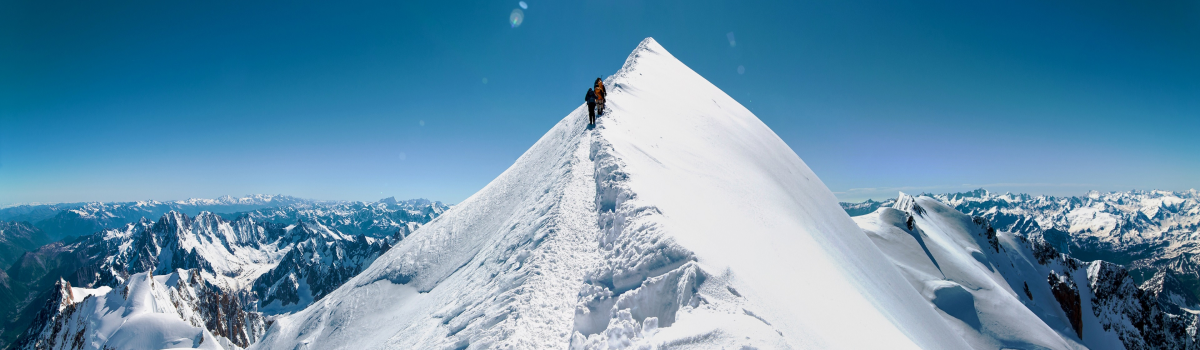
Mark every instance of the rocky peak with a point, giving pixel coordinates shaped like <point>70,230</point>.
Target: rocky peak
<point>904,203</point>
<point>61,304</point>
<point>1170,292</point>
<point>1139,321</point>
<point>204,313</point>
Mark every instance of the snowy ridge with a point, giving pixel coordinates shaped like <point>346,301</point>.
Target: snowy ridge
<point>1003,290</point>
<point>1147,231</point>
<point>600,239</point>
<point>950,260</point>
<point>176,310</point>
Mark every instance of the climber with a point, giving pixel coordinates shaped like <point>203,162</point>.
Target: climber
<point>600,94</point>
<point>591,103</point>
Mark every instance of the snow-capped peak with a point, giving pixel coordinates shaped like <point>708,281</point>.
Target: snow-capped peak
<point>904,202</point>
<point>680,218</point>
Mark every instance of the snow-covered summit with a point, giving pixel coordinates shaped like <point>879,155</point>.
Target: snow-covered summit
<point>177,310</point>
<point>613,237</point>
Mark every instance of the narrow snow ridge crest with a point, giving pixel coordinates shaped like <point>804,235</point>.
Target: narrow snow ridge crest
<point>904,202</point>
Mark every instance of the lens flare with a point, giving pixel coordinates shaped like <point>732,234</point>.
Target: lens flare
<point>516,18</point>
<point>524,6</point>
<point>732,40</point>
<point>741,70</point>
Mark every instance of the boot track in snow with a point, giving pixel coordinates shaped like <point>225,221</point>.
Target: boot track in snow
<point>679,221</point>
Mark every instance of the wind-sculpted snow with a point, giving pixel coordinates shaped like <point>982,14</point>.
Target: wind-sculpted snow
<point>947,257</point>
<point>1147,231</point>
<point>1004,290</point>
<point>611,238</point>
<point>500,268</point>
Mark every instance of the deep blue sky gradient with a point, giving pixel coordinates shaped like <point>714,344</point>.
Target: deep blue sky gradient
<point>129,100</point>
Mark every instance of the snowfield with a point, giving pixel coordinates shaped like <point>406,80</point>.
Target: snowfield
<point>611,238</point>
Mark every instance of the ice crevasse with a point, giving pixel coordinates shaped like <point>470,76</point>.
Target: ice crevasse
<point>679,220</point>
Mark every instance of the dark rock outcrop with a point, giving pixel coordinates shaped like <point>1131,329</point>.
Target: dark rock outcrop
<point>1134,314</point>
<point>64,323</point>
<point>317,266</point>
<point>46,330</point>
<point>1067,295</point>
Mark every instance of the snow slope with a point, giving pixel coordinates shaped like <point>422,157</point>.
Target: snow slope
<point>178,310</point>
<point>980,288</point>
<point>681,220</point>
<point>1146,231</point>
<point>1000,289</point>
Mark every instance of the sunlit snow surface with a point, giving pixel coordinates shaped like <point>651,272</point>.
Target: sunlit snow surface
<point>140,314</point>
<point>681,220</point>
<point>978,288</point>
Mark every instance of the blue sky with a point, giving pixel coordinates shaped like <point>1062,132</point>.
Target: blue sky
<point>116,101</point>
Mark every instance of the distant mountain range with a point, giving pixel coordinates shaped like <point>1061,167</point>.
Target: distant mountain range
<point>678,220</point>
<point>1147,231</point>
<point>270,253</point>
<point>58,221</point>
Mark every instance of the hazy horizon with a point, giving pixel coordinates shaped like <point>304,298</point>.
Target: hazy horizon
<point>894,191</point>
